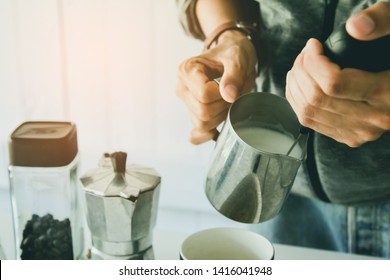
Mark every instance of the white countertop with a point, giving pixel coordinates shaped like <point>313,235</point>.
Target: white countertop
<point>166,244</point>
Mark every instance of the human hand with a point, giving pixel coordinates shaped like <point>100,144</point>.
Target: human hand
<point>348,105</point>
<point>233,59</point>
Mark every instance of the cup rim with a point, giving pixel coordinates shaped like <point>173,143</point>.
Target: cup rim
<point>231,232</point>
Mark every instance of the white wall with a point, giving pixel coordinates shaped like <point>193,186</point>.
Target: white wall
<point>110,67</point>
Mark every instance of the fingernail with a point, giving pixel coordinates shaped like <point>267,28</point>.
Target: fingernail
<point>230,93</point>
<point>363,23</point>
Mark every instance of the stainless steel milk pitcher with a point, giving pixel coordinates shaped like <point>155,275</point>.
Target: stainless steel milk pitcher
<point>250,174</point>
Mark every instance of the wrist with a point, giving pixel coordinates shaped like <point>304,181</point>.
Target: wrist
<point>250,30</point>
<point>231,36</point>
<point>240,39</point>
<point>236,32</point>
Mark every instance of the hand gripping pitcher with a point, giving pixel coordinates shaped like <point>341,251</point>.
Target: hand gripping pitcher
<point>121,208</point>
<point>256,158</point>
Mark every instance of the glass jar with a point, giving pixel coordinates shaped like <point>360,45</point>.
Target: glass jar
<point>44,191</point>
<point>2,255</point>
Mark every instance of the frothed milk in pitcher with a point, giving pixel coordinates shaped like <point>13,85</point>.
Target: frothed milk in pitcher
<point>268,140</point>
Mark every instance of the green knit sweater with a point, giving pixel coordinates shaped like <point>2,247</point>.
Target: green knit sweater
<point>350,176</point>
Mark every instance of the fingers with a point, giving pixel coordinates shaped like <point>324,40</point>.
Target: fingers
<point>205,112</point>
<point>337,118</point>
<point>204,116</point>
<point>238,56</point>
<point>350,106</point>
<point>370,23</point>
<point>205,131</point>
<point>345,83</point>
<point>233,58</point>
<point>232,85</point>
<point>234,76</point>
<point>196,73</point>
<point>196,137</point>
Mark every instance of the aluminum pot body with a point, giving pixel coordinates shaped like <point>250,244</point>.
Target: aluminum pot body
<point>245,183</point>
<point>121,227</point>
<point>122,202</point>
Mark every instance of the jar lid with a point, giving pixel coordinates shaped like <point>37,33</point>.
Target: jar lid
<point>43,144</point>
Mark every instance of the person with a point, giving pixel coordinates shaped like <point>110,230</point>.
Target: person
<point>341,196</point>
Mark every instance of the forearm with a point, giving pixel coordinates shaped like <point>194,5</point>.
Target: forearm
<point>200,17</point>
<point>213,13</point>
<point>228,54</point>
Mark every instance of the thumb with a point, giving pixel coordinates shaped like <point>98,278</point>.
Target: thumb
<point>371,23</point>
<point>229,91</point>
<point>231,84</point>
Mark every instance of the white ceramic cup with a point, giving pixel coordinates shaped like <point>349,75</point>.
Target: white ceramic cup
<point>226,244</point>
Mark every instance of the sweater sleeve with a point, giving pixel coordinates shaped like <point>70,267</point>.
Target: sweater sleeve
<point>188,18</point>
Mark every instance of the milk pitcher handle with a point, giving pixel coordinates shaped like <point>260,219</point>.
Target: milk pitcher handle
<point>216,134</point>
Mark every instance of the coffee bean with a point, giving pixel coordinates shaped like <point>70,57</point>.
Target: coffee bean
<point>47,238</point>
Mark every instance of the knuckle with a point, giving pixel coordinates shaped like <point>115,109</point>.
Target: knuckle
<point>384,121</point>
<point>352,143</point>
<point>203,95</point>
<point>197,136</point>
<point>193,64</point>
<point>305,121</point>
<point>204,114</point>
<point>182,69</point>
<point>308,112</point>
<point>305,115</point>
<point>362,136</point>
<point>195,140</point>
<point>383,6</point>
<point>381,120</point>
<point>315,99</point>
<point>201,125</point>
<point>196,123</point>
<point>367,136</point>
<point>334,85</point>
<point>234,55</point>
<point>234,50</point>
<point>178,90</point>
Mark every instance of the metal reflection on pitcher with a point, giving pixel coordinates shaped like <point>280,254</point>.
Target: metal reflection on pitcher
<point>251,175</point>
